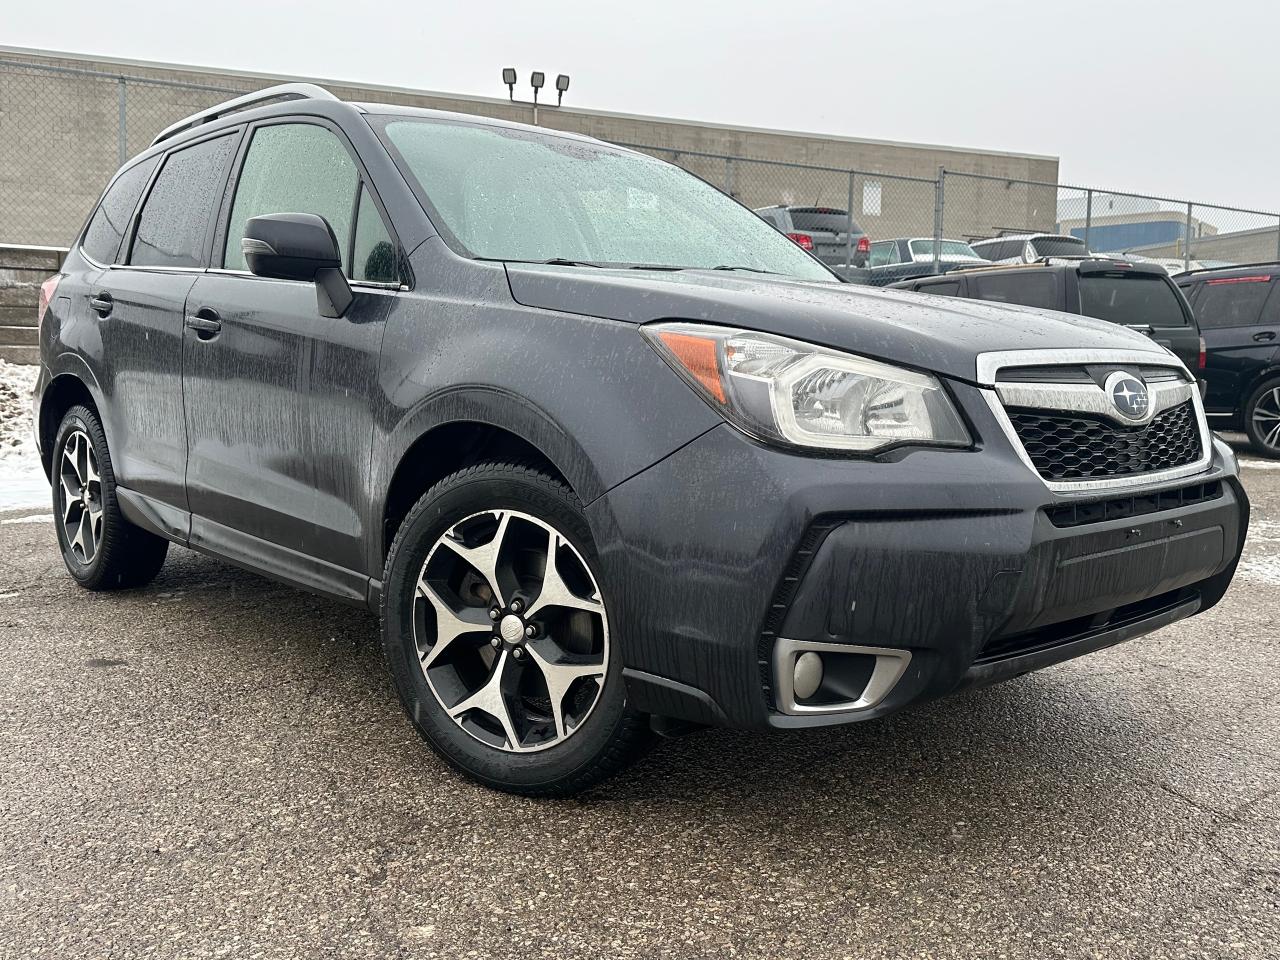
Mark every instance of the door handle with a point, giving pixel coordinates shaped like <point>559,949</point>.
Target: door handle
<point>101,303</point>
<point>206,323</point>
<point>1265,335</point>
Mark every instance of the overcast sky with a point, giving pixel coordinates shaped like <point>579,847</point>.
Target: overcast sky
<point>1175,98</point>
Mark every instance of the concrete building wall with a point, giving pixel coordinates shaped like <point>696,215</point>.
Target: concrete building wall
<point>60,145</point>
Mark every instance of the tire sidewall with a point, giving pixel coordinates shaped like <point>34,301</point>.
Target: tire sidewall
<point>468,492</point>
<point>1250,427</point>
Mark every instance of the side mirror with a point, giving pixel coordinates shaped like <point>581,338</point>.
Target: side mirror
<point>298,246</point>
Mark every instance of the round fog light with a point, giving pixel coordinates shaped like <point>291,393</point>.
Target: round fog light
<point>807,675</point>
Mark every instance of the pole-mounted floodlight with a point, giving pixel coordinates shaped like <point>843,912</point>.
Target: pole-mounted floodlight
<point>537,80</point>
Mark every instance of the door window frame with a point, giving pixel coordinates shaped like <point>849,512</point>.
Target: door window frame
<point>222,221</point>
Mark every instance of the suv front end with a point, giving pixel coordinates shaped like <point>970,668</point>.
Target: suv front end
<point>821,587</point>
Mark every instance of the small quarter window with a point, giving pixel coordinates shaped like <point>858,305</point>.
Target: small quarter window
<point>373,253</point>
<point>111,220</point>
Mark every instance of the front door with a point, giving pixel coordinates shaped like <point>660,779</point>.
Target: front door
<point>279,399</point>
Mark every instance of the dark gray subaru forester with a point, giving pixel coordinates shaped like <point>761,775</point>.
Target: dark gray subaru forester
<point>609,454</point>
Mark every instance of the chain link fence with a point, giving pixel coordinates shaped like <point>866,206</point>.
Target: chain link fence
<point>65,131</point>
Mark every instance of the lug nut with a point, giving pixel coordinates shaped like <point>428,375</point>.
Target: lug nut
<point>495,613</point>
<point>517,652</point>
<point>531,631</point>
<point>517,605</point>
<point>495,642</point>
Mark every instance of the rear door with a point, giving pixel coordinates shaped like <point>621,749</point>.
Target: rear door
<point>279,400</point>
<point>140,301</point>
<point>1145,301</point>
<point>1239,318</point>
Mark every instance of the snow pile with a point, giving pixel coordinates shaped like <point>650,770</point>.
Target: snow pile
<point>22,482</point>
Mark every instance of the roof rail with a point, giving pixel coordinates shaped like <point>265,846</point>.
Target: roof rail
<point>283,91</point>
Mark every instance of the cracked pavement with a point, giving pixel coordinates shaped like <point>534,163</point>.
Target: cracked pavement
<point>216,766</point>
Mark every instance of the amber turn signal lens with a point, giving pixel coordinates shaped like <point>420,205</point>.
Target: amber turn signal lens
<point>698,356</point>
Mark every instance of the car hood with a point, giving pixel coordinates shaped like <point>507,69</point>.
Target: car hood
<point>939,334</point>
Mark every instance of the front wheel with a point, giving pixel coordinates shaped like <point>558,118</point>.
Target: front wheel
<point>1262,419</point>
<point>498,638</point>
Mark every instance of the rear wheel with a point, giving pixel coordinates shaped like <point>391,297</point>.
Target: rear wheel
<point>497,634</point>
<point>1262,418</point>
<point>101,549</point>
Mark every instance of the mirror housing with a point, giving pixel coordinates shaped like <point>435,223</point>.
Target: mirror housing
<point>298,246</point>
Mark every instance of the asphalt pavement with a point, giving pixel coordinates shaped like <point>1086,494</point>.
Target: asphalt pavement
<point>216,766</point>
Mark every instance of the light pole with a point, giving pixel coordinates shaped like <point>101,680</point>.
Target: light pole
<point>537,80</point>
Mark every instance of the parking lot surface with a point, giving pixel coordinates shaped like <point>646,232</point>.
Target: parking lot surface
<point>216,766</point>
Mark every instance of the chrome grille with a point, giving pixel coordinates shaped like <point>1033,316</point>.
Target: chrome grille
<point>1073,418</point>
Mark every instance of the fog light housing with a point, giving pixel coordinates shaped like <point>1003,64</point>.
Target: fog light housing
<point>807,675</point>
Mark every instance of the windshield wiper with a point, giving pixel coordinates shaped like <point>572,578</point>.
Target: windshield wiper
<point>748,270</point>
<point>562,262</point>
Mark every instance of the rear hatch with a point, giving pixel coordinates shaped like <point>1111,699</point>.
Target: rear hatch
<point>1143,299</point>
<point>835,234</point>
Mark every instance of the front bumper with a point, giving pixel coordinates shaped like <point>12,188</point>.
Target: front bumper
<point>726,546</point>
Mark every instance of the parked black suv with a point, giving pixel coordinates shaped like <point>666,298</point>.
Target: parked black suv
<point>1137,295</point>
<point>607,452</point>
<point>1239,313</point>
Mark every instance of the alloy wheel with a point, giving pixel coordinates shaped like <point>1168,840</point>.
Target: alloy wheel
<point>81,506</point>
<point>1266,418</point>
<point>511,630</point>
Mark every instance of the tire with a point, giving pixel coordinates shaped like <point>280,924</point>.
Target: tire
<point>101,549</point>
<point>541,716</point>
<point>1262,418</point>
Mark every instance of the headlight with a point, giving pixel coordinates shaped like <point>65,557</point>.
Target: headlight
<point>790,392</point>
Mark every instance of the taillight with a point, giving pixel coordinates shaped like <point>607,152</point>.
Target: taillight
<point>802,240</point>
<point>864,244</point>
<point>1204,358</point>
<point>46,297</point>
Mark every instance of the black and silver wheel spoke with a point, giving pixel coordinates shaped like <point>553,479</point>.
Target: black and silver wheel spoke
<point>511,631</point>
<point>1266,416</point>
<point>81,490</point>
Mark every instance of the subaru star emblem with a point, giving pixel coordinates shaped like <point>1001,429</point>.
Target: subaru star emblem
<point>1128,395</point>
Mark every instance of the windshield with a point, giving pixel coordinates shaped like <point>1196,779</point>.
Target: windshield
<point>1059,247</point>
<point>521,195</point>
<point>948,248</point>
<point>1135,300</point>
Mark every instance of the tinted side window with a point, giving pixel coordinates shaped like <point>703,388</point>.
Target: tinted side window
<point>294,168</point>
<point>1271,310</point>
<point>1037,289</point>
<point>882,252</point>
<point>947,288</point>
<point>111,220</point>
<point>1231,302</point>
<point>373,252</point>
<point>175,216</point>
<point>1133,299</point>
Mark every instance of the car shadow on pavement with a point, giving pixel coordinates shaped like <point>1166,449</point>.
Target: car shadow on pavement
<point>1019,749</point>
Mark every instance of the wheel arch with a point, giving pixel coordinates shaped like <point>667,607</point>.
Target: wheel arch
<point>1269,372</point>
<point>467,428</point>
<point>73,384</point>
